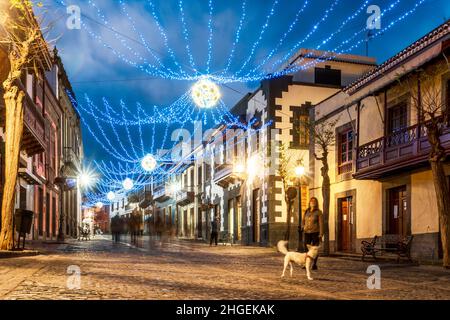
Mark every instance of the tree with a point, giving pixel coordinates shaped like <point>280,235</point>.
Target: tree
<point>285,172</point>
<point>21,38</point>
<point>433,115</point>
<point>323,135</point>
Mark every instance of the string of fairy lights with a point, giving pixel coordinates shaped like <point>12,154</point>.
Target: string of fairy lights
<point>136,136</point>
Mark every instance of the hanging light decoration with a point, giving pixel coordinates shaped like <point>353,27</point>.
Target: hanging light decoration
<point>99,205</point>
<point>205,93</point>
<point>128,184</point>
<point>148,163</point>
<point>111,196</point>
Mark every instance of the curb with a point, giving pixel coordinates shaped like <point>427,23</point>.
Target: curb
<point>18,254</point>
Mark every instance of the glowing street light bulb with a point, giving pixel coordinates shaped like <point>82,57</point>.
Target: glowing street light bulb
<point>148,163</point>
<point>205,93</point>
<point>86,179</point>
<point>239,168</point>
<point>300,171</point>
<point>111,196</point>
<point>128,184</point>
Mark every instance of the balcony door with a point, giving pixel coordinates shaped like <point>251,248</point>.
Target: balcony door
<point>397,118</point>
<point>238,219</point>
<point>231,218</point>
<point>398,214</point>
<point>397,124</point>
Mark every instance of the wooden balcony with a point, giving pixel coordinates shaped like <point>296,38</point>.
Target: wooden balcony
<point>184,198</point>
<point>161,194</point>
<point>72,160</point>
<point>404,150</point>
<point>146,198</point>
<point>224,175</point>
<point>33,137</point>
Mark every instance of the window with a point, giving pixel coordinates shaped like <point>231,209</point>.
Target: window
<point>345,152</point>
<point>199,175</point>
<point>192,183</point>
<point>328,76</point>
<point>300,132</point>
<point>398,118</point>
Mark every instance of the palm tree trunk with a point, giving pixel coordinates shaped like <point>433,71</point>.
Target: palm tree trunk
<point>13,136</point>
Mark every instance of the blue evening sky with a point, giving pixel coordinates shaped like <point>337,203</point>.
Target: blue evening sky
<point>95,70</point>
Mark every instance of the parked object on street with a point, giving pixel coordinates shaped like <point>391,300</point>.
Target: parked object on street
<point>23,219</point>
<point>388,243</point>
<point>84,234</point>
<point>302,259</point>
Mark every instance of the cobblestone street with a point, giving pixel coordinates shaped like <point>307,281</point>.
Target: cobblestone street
<point>186,270</point>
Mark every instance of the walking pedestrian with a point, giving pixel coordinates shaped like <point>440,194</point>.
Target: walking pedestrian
<point>214,231</point>
<point>312,225</point>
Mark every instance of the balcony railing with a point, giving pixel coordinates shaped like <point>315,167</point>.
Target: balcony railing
<point>72,159</point>
<point>224,175</point>
<point>146,198</point>
<point>345,168</point>
<point>398,151</point>
<point>160,194</point>
<point>184,197</point>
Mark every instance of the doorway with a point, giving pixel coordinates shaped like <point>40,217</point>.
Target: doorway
<point>397,219</point>
<point>199,223</point>
<point>41,212</point>
<point>345,217</point>
<point>231,218</point>
<point>256,214</point>
<point>47,215</point>
<point>238,219</point>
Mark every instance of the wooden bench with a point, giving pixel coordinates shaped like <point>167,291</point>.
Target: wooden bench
<point>388,243</point>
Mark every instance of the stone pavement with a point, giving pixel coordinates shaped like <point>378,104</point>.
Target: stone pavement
<point>176,269</point>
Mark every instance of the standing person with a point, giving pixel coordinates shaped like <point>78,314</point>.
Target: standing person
<point>312,223</point>
<point>214,231</point>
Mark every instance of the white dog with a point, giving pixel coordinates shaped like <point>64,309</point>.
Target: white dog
<point>302,259</point>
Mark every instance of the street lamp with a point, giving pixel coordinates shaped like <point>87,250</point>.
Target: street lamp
<point>300,171</point>
<point>84,179</point>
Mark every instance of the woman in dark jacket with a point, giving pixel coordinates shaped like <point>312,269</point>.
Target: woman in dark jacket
<point>312,226</point>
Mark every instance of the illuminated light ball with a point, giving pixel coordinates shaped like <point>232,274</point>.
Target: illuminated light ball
<point>148,163</point>
<point>111,196</point>
<point>128,184</point>
<point>205,93</point>
<point>99,205</point>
